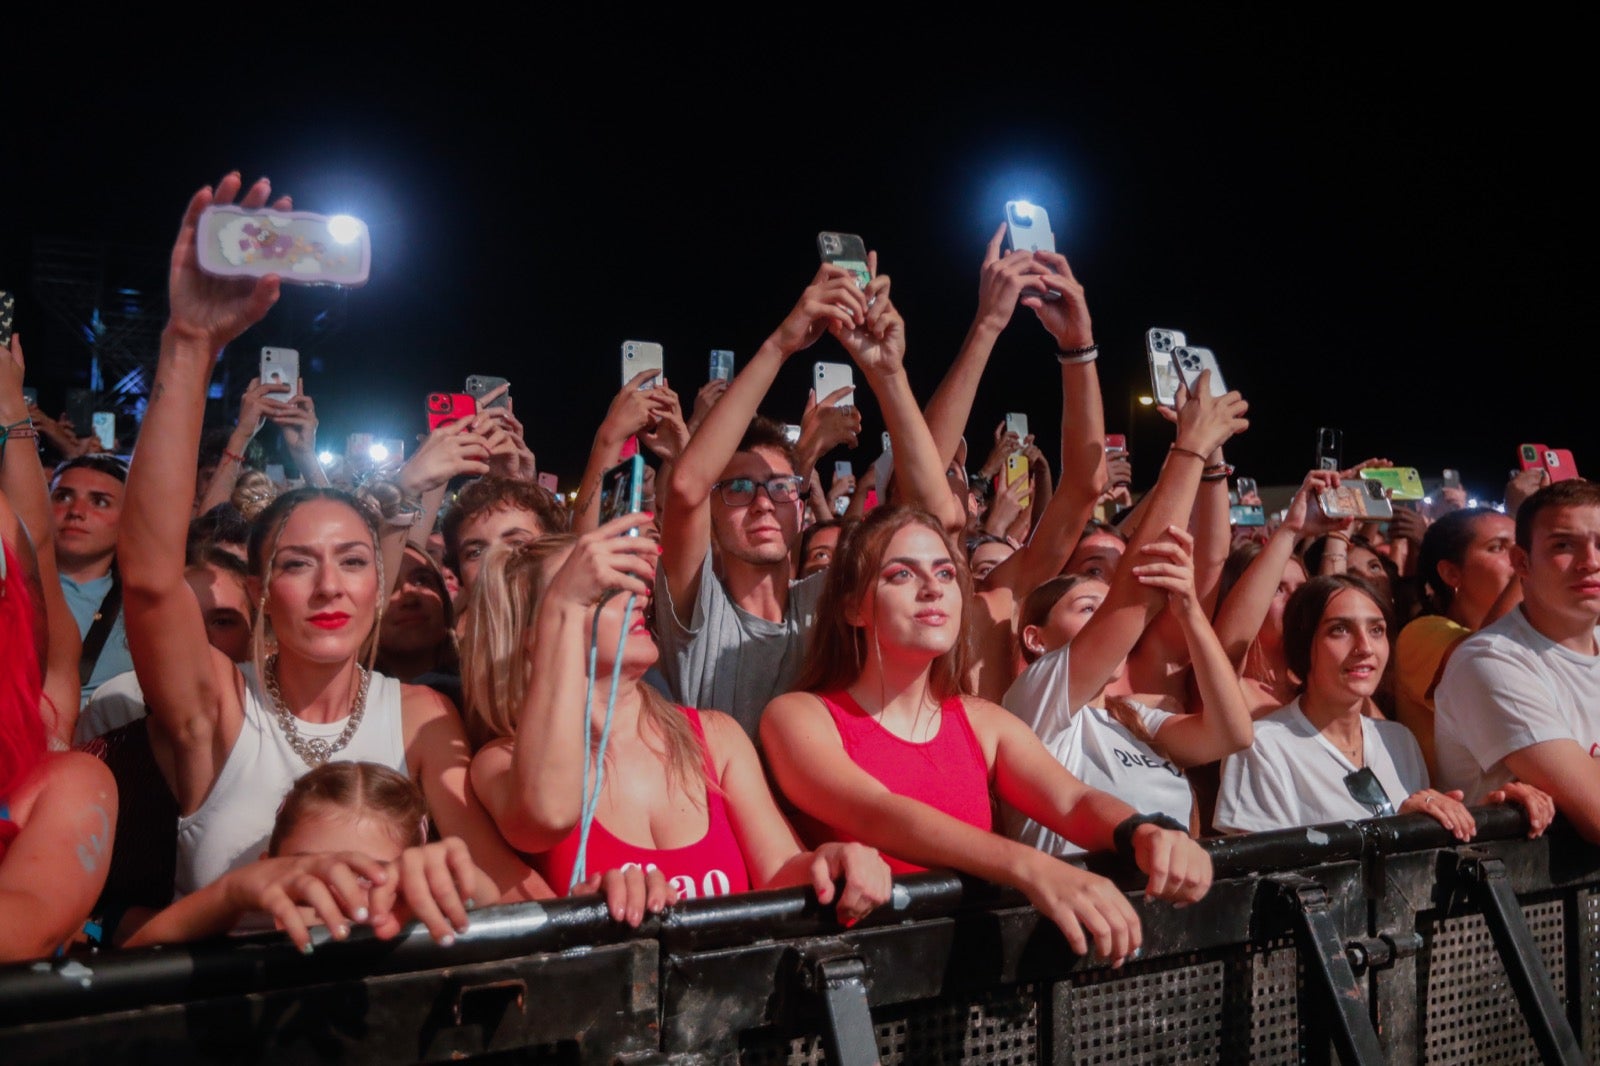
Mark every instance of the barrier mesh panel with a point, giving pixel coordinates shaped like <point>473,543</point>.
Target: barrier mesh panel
<point>999,1029</point>
<point>1470,1011</point>
<point>1589,967</point>
<point>1169,1015</point>
<point>1275,978</point>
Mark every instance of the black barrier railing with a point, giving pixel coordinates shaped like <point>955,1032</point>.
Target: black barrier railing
<point>1380,941</point>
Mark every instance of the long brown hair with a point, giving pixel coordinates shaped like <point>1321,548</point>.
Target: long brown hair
<point>838,648</point>
<point>496,671</point>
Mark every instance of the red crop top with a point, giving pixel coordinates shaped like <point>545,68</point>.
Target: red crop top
<point>948,772</point>
<point>711,866</point>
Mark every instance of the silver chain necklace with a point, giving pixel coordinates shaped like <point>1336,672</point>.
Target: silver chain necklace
<point>315,751</point>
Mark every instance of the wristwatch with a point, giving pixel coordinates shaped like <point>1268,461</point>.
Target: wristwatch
<point>1122,836</point>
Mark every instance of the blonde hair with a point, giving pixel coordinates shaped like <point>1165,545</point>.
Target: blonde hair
<point>496,671</point>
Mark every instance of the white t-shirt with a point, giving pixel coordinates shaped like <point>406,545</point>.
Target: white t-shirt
<point>1293,775</point>
<point>1508,687</point>
<point>114,704</point>
<point>1095,748</point>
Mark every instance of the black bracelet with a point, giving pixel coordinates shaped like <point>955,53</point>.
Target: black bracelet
<point>1072,356</point>
<point>1122,836</point>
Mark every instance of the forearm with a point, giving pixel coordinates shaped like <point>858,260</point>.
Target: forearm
<point>1241,615</point>
<point>220,488</point>
<point>917,467</point>
<point>1223,725</point>
<point>205,913</point>
<point>709,450</point>
<point>547,772</point>
<point>951,406</point>
<point>151,544</point>
<point>1213,536</point>
<point>606,453</point>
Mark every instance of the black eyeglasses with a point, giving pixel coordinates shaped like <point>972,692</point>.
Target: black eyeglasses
<point>740,491</point>
<point>1365,788</point>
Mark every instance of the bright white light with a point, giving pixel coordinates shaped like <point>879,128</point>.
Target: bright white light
<point>325,458</point>
<point>1428,500</point>
<point>344,228</point>
<point>377,453</point>
<point>1472,502</point>
<point>1146,401</point>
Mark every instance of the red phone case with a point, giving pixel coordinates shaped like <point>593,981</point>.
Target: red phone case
<point>447,407</point>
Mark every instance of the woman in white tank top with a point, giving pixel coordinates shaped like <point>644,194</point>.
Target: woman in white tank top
<point>231,741</point>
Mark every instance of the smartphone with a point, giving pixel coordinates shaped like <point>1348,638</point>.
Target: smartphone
<point>1530,456</point>
<point>842,469</point>
<point>1559,462</point>
<point>301,248</point>
<point>845,250</point>
<point>1116,444</point>
<point>1158,347</point>
<point>827,378</point>
<point>281,366</point>
<point>1403,482</point>
<point>548,481</point>
<point>1028,230</point>
<point>1017,470</point>
<point>1189,362</point>
<point>721,365</point>
<point>480,385</point>
<point>1246,486</point>
<point>639,356</point>
<point>1361,499</point>
<point>80,411</point>
<point>445,408</point>
<point>886,442</point>
<point>1247,514</point>
<point>8,311</point>
<point>1450,479</point>
<point>621,490</point>
<point>791,433</point>
<point>1017,422</point>
<point>1330,442</point>
<point>30,396</point>
<point>105,428</point>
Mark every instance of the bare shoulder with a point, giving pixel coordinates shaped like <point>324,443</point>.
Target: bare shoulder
<point>725,738</point>
<point>68,776</point>
<point>419,704</point>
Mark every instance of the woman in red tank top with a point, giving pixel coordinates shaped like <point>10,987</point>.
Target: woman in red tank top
<point>882,746</point>
<point>684,793</point>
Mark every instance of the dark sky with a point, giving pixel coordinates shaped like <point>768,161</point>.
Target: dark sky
<point>1375,228</point>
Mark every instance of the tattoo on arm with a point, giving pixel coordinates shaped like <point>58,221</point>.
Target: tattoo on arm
<point>92,849</point>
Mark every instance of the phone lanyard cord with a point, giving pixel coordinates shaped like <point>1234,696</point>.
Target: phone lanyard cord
<point>591,798</point>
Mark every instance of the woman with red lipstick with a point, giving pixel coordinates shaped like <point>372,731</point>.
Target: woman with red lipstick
<point>683,791</point>
<point>231,740</point>
<point>1320,758</point>
<point>884,747</point>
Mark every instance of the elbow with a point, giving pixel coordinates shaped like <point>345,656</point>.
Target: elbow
<point>686,488</point>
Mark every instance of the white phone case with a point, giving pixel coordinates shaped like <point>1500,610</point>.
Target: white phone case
<point>281,366</point>
<point>1190,362</point>
<point>1158,346</point>
<point>1017,422</point>
<point>830,377</point>
<point>1028,227</point>
<point>639,356</point>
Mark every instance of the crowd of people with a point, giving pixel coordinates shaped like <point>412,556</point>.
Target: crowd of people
<point>441,686</point>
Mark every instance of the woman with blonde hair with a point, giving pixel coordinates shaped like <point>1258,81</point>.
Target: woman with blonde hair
<point>585,767</point>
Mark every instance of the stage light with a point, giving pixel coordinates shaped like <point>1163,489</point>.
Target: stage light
<point>325,458</point>
<point>344,228</point>
<point>378,452</point>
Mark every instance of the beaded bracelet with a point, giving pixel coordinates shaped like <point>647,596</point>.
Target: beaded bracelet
<point>1074,356</point>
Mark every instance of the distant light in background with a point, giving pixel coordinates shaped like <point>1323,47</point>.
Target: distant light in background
<point>377,453</point>
<point>1146,401</point>
<point>1428,500</point>
<point>1472,502</point>
<point>325,458</point>
<point>344,228</point>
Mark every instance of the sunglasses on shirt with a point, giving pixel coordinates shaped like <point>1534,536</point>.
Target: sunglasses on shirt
<point>1365,788</point>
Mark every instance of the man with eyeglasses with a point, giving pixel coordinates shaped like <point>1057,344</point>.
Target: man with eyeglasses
<point>731,621</point>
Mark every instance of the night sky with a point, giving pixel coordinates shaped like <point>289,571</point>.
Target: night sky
<point>1375,228</point>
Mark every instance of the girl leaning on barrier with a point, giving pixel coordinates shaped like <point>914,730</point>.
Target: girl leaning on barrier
<point>1320,758</point>
<point>683,792</point>
<point>883,746</point>
<point>230,739</point>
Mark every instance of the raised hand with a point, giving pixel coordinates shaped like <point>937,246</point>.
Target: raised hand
<point>1004,279</point>
<point>823,427</point>
<point>297,421</point>
<point>210,310</point>
<point>449,451</point>
<point>831,301</point>
<point>666,434</point>
<point>604,561</point>
<point>1207,422</point>
<point>1171,568</point>
<point>1067,319</point>
<point>878,342</point>
<point>1301,518</point>
<point>704,401</point>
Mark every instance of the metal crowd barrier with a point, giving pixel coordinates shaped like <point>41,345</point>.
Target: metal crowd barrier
<point>1381,941</point>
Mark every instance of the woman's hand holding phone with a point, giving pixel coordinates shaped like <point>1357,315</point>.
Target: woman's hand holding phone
<point>666,434</point>
<point>1004,280</point>
<point>211,311</point>
<point>878,343</point>
<point>831,302</point>
<point>449,451</point>
<point>1302,517</point>
<point>1207,422</point>
<point>1066,319</point>
<point>605,561</point>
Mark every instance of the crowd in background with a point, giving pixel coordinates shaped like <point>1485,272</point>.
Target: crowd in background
<point>369,696</point>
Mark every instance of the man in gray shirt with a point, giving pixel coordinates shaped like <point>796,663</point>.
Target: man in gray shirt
<point>732,623</point>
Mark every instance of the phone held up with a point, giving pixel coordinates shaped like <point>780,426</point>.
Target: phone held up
<point>480,385</point>
<point>1557,462</point>
<point>1403,482</point>
<point>1017,422</point>
<point>301,248</point>
<point>1028,230</point>
<point>828,378</point>
<point>721,365</point>
<point>281,366</point>
<point>1330,443</point>
<point>640,356</point>
<point>105,429</point>
<point>445,408</point>
<point>1159,345</point>
<point>1364,499</point>
<point>845,250</point>
<point>622,490</point>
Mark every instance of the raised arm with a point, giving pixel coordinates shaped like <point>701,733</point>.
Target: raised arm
<point>633,410</point>
<point>878,346</point>
<point>22,483</point>
<point>832,297</point>
<point>259,400</point>
<point>1204,422</point>
<point>1083,457</point>
<point>185,680</point>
